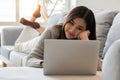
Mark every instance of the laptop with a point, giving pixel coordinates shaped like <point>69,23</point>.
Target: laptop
<point>70,57</point>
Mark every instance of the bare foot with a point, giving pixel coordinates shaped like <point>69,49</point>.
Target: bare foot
<point>37,12</point>
<point>34,25</point>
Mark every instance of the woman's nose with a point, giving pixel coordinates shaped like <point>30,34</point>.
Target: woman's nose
<point>72,30</point>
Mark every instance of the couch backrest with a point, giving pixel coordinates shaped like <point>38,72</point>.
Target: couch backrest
<point>10,34</point>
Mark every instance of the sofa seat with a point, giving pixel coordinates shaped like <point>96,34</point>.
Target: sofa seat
<point>5,50</point>
<point>16,58</point>
<point>27,73</point>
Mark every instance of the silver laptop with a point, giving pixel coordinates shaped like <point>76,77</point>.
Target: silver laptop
<point>70,57</point>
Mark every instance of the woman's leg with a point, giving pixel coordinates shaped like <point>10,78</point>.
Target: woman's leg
<point>36,13</point>
<point>32,23</point>
<point>26,39</point>
<point>29,36</point>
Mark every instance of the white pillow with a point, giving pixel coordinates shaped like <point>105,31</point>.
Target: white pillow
<point>104,19</point>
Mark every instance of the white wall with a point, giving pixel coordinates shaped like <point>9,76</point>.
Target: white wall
<point>100,4</point>
<point>70,4</point>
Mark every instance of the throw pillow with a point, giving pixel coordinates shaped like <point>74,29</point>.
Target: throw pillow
<point>104,20</point>
<point>113,34</point>
<point>55,19</point>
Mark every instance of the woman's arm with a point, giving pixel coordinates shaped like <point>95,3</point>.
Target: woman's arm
<point>37,54</point>
<point>35,59</point>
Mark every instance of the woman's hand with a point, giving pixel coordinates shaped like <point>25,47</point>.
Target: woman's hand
<point>83,35</point>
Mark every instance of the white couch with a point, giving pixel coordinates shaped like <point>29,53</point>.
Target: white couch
<point>107,30</point>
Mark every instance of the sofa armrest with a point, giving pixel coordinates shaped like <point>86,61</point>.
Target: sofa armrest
<point>111,63</point>
<point>9,35</point>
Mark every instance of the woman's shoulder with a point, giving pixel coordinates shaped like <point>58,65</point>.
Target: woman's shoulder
<point>55,30</point>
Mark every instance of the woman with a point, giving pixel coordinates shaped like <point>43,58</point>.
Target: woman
<point>79,25</point>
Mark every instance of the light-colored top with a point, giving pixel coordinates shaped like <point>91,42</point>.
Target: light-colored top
<point>36,56</point>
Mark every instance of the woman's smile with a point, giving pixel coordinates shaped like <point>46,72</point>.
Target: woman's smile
<point>74,27</point>
<point>70,34</point>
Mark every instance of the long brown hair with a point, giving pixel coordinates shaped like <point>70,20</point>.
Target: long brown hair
<point>86,14</point>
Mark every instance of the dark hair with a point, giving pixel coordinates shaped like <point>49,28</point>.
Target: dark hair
<point>87,15</point>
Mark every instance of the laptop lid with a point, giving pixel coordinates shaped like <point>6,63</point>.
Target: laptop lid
<point>70,56</point>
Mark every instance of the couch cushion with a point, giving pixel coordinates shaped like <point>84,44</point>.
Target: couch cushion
<point>113,34</point>
<point>5,50</point>
<point>24,60</point>
<point>16,58</point>
<point>104,20</point>
<point>56,18</point>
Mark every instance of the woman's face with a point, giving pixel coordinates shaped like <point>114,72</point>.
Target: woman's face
<point>74,27</point>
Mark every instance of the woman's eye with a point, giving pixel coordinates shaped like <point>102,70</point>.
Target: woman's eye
<point>79,28</point>
<point>71,21</point>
